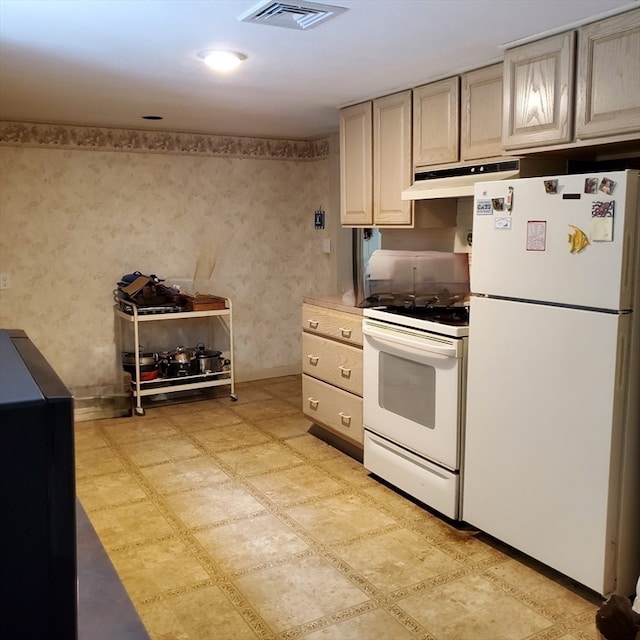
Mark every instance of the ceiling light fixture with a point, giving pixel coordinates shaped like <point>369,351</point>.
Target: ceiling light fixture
<point>222,60</point>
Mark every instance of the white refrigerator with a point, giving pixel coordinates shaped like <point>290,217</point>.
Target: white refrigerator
<point>552,445</point>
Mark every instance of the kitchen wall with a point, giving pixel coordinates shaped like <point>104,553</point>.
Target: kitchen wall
<point>80,207</point>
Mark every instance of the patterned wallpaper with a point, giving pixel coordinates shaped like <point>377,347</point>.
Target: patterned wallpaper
<point>80,207</point>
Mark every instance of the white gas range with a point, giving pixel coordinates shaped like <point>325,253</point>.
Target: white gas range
<point>414,394</point>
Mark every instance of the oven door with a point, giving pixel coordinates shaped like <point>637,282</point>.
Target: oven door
<point>413,389</point>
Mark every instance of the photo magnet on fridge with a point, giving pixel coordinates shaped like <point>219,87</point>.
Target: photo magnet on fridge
<point>607,186</point>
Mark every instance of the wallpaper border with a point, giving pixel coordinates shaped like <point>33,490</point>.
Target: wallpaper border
<point>54,136</point>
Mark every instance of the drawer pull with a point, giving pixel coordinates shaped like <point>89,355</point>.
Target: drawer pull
<point>346,372</point>
<point>313,360</point>
<point>345,332</point>
<point>313,403</point>
<point>345,419</point>
<point>313,324</point>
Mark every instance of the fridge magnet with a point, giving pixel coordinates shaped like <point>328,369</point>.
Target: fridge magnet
<point>578,239</point>
<point>601,229</point>
<point>484,207</point>
<point>607,186</point>
<point>502,223</point>
<point>497,204</point>
<point>536,235</point>
<point>509,202</point>
<point>591,185</point>
<point>551,186</point>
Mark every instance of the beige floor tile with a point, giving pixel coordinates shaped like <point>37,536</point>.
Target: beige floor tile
<point>372,625</point>
<point>339,518</point>
<point>396,559</point>
<point>349,470</point>
<point>139,429</point>
<point>261,458</point>
<point>284,388</point>
<point>286,426</point>
<point>111,489</point>
<point>204,419</point>
<point>213,504</point>
<point>472,608</point>
<point>299,591</point>
<point>230,436</point>
<point>166,449</point>
<point>156,567</point>
<point>314,448</point>
<point>552,596</point>
<point>183,475</point>
<point>251,543</point>
<point>248,393</point>
<point>87,435</point>
<point>264,409</point>
<point>205,614</point>
<point>95,462</point>
<point>129,524</point>
<point>293,485</point>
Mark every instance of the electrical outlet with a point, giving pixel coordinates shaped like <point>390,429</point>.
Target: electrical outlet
<point>5,281</point>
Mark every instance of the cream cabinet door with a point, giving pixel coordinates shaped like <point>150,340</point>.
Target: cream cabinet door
<point>392,168</point>
<point>356,186</point>
<point>436,123</point>
<point>538,92</point>
<point>481,113</point>
<point>608,82</point>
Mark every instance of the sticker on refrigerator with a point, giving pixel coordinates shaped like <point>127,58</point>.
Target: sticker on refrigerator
<point>483,207</point>
<point>601,229</point>
<point>551,186</point>
<point>497,204</point>
<point>578,239</point>
<point>536,235</point>
<point>502,223</point>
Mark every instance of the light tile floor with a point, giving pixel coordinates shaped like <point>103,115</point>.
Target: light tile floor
<point>228,520</point>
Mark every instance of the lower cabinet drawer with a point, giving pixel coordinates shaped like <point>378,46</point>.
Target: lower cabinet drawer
<point>336,363</point>
<point>333,408</point>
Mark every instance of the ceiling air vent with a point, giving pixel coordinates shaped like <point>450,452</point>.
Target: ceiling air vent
<point>294,15</point>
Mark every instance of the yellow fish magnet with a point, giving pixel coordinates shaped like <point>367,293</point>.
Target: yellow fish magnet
<point>577,240</point>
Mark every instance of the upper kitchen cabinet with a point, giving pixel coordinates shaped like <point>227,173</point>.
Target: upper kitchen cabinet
<point>481,113</point>
<point>608,77</point>
<point>392,168</point>
<point>436,122</point>
<point>538,93</point>
<point>356,175</point>
<point>375,162</point>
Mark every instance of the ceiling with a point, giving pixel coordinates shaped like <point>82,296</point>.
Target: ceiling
<point>108,63</point>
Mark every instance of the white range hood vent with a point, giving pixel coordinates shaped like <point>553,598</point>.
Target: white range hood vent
<point>291,15</point>
<point>457,182</point>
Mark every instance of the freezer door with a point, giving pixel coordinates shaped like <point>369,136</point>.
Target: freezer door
<point>543,433</point>
<point>557,243</point>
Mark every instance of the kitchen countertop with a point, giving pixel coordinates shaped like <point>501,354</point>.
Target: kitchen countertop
<point>334,302</point>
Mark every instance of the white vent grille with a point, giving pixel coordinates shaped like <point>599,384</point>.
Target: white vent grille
<point>298,15</point>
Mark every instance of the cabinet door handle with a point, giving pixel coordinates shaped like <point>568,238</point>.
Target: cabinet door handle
<point>313,403</point>
<point>345,371</point>
<point>313,360</point>
<point>345,332</point>
<point>345,419</point>
<point>313,324</point>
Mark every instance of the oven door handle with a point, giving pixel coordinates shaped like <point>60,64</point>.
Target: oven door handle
<point>404,339</point>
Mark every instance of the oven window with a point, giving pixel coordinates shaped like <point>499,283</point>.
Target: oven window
<point>408,389</point>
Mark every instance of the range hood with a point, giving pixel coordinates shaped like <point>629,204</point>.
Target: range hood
<point>457,182</point>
